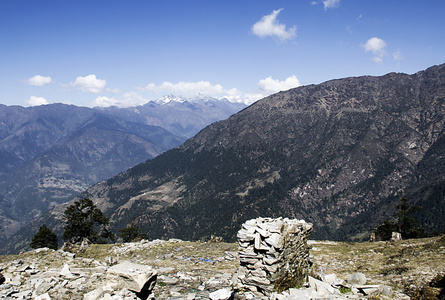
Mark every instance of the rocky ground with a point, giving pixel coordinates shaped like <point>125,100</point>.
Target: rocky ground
<point>196,270</point>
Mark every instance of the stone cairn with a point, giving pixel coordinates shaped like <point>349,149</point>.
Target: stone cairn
<point>274,254</point>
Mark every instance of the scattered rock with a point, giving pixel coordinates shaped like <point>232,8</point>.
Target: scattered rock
<point>216,239</point>
<point>85,244</point>
<point>186,270</point>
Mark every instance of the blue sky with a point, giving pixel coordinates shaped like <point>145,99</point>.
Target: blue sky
<point>125,53</point>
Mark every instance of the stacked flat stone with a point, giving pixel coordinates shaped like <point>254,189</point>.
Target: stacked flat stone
<point>274,254</point>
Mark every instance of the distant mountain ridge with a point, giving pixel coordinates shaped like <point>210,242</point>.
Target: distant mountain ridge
<point>50,153</point>
<point>338,154</point>
<point>184,117</point>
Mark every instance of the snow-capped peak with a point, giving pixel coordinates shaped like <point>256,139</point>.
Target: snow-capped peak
<point>200,98</point>
<point>170,98</point>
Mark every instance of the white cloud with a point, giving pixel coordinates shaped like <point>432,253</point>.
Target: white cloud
<point>103,101</point>
<point>90,84</point>
<point>266,87</point>
<point>331,4</point>
<point>185,89</point>
<point>39,80</point>
<point>270,85</point>
<point>377,47</point>
<point>269,26</point>
<point>129,99</point>
<point>35,101</point>
<point>133,99</point>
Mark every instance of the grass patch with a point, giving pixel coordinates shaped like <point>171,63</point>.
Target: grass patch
<point>394,271</point>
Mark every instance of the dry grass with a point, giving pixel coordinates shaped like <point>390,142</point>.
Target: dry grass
<point>405,265</point>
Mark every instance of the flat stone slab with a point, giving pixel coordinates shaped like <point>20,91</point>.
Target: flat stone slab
<point>134,277</point>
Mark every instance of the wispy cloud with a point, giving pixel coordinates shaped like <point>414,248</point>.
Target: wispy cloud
<point>90,84</point>
<point>331,4</point>
<point>35,101</point>
<point>270,26</point>
<point>377,47</point>
<point>39,80</point>
<point>397,55</point>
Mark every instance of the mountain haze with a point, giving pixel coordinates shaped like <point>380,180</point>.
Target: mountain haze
<point>339,154</point>
<point>50,153</point>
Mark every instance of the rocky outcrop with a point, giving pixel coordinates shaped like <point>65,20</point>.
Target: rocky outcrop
<point>274,254</point>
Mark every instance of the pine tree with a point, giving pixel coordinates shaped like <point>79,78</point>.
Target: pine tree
<point>131,233</point>
<point>84,220</point>
<point>406,223</point>
<point>44,237</point>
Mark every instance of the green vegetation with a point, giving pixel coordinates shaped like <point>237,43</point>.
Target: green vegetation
<point>44,237</point>
<point>405,224</point>
<point>384,231</point>
<point>344,290</point>
<point>84,220</point>
<point>434,290</point>
<point>131,233</point>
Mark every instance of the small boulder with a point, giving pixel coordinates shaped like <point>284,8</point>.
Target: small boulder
<point>323,289</point>
<point>43,297</point>
<point>98,293</point>
<point>66,271</point>
<point>134,277</point>
<point>396,236</point>
<point>222,294</point>
<point>357,279</point>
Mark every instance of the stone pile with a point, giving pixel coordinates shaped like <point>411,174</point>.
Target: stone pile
<point>274,254</point>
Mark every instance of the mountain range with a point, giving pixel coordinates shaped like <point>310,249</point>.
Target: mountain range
<point>338,154</point>
<point>50,153</point>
